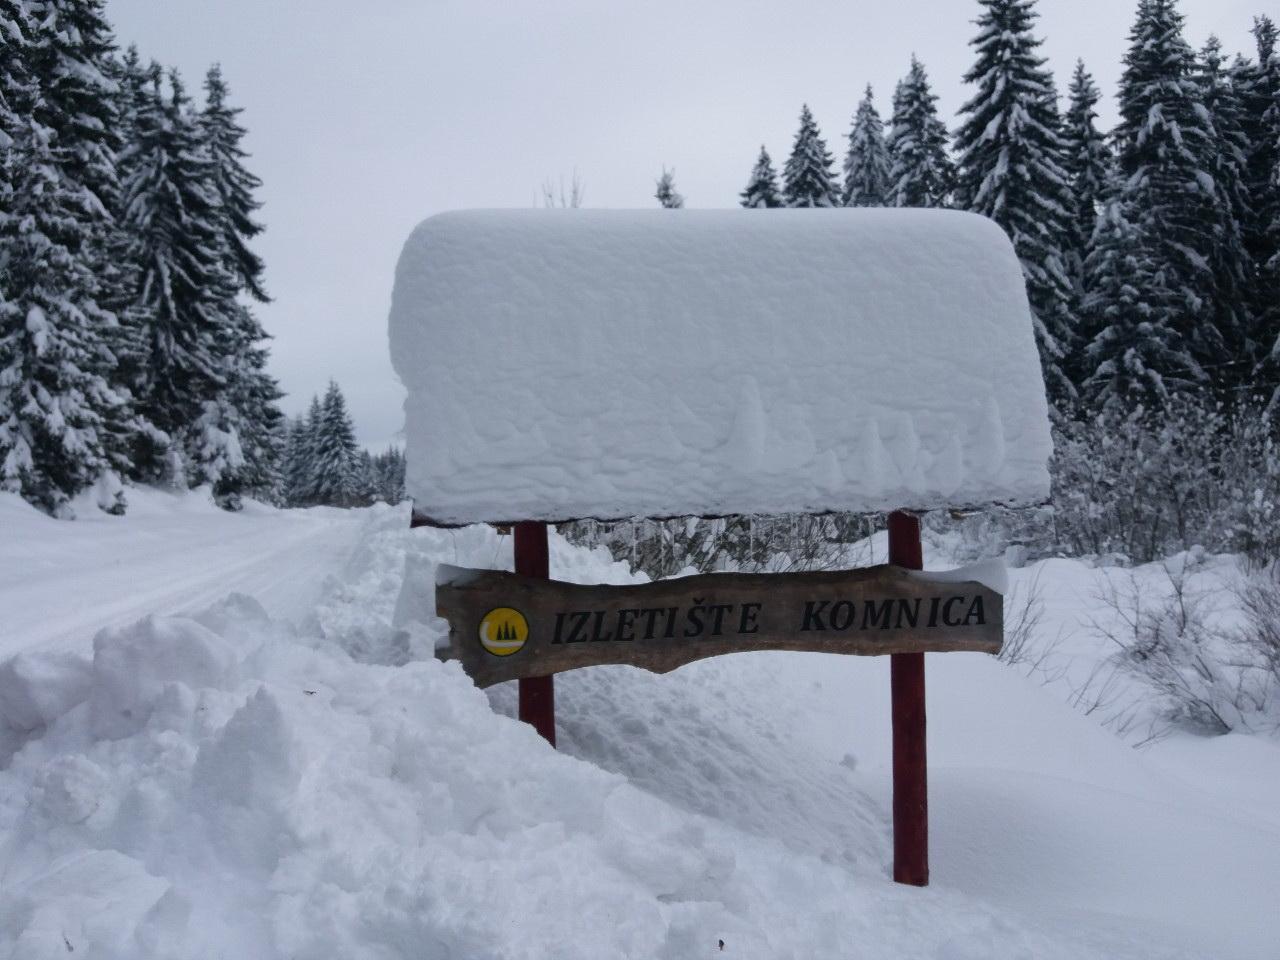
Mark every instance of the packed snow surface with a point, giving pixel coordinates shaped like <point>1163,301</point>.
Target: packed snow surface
<point>575,363</point>
<point>283,779</point>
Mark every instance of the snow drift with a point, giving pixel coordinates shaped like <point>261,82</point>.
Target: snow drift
<point>565,364</point>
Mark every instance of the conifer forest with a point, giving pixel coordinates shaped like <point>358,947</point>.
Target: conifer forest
<point>130,350</point>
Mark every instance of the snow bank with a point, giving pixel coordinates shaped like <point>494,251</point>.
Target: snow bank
<point>264,797</point>
<point>636,363</point>
<point>276,799</point>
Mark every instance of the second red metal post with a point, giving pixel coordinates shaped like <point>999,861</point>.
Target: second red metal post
<point>906,681</point>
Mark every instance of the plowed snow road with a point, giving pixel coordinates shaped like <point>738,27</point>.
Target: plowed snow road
<point>62,581</point>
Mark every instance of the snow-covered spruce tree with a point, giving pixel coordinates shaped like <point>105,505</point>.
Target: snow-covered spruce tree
<point>253,395</point>
<point>922,173</point>
<point>807,180</point>
<point>71,49</point>
<point>389,472</point>
<point>1134,355</point>
<point>233,183</point>
<point>74,66</point>
<point>1164,148</point>
<point>120,273</point>
<point>62,427</point>
<point>1258,85</point>
<point>762,187</point>
<point>292,455</point>
<point>1010,169</point>
<point>366,480</point>
<point>300,457</point>
<point>17,93</point>
<point>1087,161</point>
<point>666,193</point>
<point>867,163</point>
<point>1232,272</point>
<point>335,454</point>
<point>251,391</point>
<point>185,306</point>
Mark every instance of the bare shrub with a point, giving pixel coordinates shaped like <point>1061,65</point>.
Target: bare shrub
<point>1024,618</point>
<point>1208,678</point>
<point>1134,486</point>
<point>1259,637</point>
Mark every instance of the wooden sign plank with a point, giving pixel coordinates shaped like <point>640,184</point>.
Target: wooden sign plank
<point>505,627</point>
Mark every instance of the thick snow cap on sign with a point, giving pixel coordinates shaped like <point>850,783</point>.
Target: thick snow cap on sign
<point>607,363</point>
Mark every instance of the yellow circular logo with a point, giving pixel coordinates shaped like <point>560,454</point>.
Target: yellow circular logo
<point>503,631</point>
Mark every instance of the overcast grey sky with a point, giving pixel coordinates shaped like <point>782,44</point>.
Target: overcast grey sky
<point>366,118</point>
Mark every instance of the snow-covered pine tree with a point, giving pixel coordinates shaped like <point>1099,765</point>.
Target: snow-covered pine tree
<point>17,93</point>
<point>1164,148</point>
<point>185,305</point>
<point>335,454</point>
<point>366,479</point>
<point>922,173</point>
<point>762,187</point>
<point>251,391</point>
<point>71,53</point>
<point>62,427</point>
<point>1134,356</point>
<point>292,454</point>
<point>252,395</point>
<point>1229,262</point>
<point>389,467</point>
<point>300,457</point>
<point>666,194</point>
<point>120,274</point>
<point>1258,84</point>
<point>867,163</point>
<point>234,184</point>
<point>807,179</point>
<point>1087,161</point>
<point>1010,169</point>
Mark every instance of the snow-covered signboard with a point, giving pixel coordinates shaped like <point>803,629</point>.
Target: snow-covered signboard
<point>564,364</point>
<point>609,364</point>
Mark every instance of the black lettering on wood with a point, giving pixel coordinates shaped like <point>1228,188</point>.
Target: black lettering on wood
<point>596,634</point>
<point>946,611</point>
<point>908,612</point>
<point>650,615</point>
<point>671,623</point>
<point>876,614</point>
<point>580,618</point>
<point>626,624</point>
<point>813,615</point>
<point>719,610</point>
<point>843,613</point>
<point>694,619</point>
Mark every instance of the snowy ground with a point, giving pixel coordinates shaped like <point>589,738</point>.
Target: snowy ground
<point>226,780</point>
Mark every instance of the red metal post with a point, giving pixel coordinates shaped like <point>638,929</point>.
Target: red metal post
<point>537,694</point>
<point>906,682</point>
